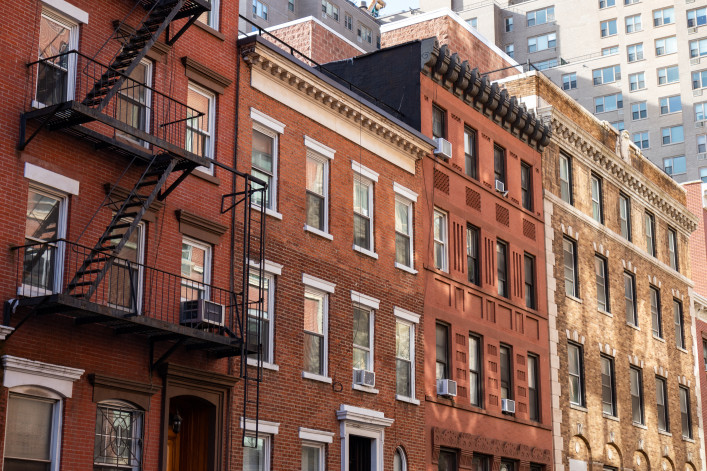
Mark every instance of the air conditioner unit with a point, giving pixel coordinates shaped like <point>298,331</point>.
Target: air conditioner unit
<point>692,30</point>
<point>508,406</point>
<point>500,186</point>
<point>201,311</point>
<point>697,92</point>
<point>364,378</point>
<point>446,387</point>
<point>444,148</point>
<point>699,124</point>
<point>702,156</point>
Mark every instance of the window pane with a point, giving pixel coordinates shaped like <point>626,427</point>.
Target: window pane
<point>311,458</point>
<point>254,454</point>
<point>28,429</point>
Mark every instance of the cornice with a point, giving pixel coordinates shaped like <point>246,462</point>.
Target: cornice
<point>597,155</point>
<point>205,75</point>
<point>445,68</point>
<point>351,108</point>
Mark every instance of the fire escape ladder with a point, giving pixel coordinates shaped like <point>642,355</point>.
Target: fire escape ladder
<point>162,13</point>
<point>124,222</point>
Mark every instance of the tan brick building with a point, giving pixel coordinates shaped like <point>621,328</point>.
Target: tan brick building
<point>619,297</point>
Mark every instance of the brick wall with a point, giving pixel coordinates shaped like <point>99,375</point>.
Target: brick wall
<point>316,41</point>
<point>698,246</point>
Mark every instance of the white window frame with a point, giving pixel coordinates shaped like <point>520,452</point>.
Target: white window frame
<point>637,50</point>
<point>317,439</point>
<point>637,81</point>
<point>213,15</point>
<point>207,248</point>
<point>140,260</point>
<point>409,198</point>
<point>666,43</point>
<point>211,132</point>
<point>324,288</point>
<point>535,42</point>
<point>641,135</point>
<point>266,431</point>
<point>572,79</point>
<point>363,423</point>
<point>548,17</point>
<point>443,264</point>
<point>367,177</point>
<point>659,14</point>
<point>667,104</point>
<point>370,304</point>
<point>148,106</point>
<point>598,79</point>
<point>270,270</point>
<point>73,26</point>
<point>670,135</point>
<point>608,28</point>
<point>635,26</point>
<point>665,71</point>
<point>273,129</point>
<point>410,319</point>
<point>321,465</point>
<point>323,154</point>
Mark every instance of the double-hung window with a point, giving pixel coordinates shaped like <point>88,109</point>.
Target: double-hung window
<point>699,79</point>
<point>696,17</point>
<point>606,3</point>
<point>260,10</point>
<point>508,23</point>
<point>635,52</point>
<point>636,389</point>
<point>569,81</point>
<point>606,75</point>
<point>656,314</point>
<point>529,281</point>
<point>442,351</point>
<point>256,452</point>
<point>625,216</point>
<point>265,158</point>
<point>363,184</point>
<point>633,24</point>
<point>575,359</point>
<point>502,267</point>
<point>540,17</point>
<point>196,270</point>
<point>201,130</point>
<point>261,321</point>
<point>597,199</point>
<point>649,223</point>
<point>473,261</point>
<point>602,277</point>
<point>673,135</point>
<point>608,28</point>
<point>211,18</point>
<point>541,43</point>
<point>440,240</point>
<point>470,152</point>
<point>526,185</point>
<point>118,437</point>
<point>405,353</point>
<point>630,299</point>
<point>133,101</point>
<point>670,104</point>
<point>569,251</point>
<point>509,49</point>
<point>669,74</point>
<point>666,46</point>
<point>476,376</point>
<point>316,322</point>
<point>685,417</point>
<point>330,10</point>
<point>642,139</point>
<point>499,164</point>
<point>698,47</point>
<point>639,110</point>
<point>702,144</point>
<point>56,74</point>
<point>363,321</point>
<point>679,324</point>
<point>506,359</point>
<point>611,102</point>
<point>637,81</point>
<point>675,165</point>
<point>673,248</point>
<point>565,178</point>
<point>608,386</point>
<point>664,16</point>
<point>404,225</point>
<point>533,388</point>
<point>439,122</point>
<point>661,399</point>
<point>317,190</point>
<point>313,456</point>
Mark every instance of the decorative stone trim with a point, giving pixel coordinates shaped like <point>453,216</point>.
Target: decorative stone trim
<point>205,76</point>
<point>574,336</point>
<point>607,350</point>
<point>106,388</point>
<point>659,370</point>
<point>363,416</point>
<point>313,435</point>
<point>318,283</point>
<point>628,265</point>
<point>5,331</point>
<point>677,294</point>
<point>633,359</point>
<point>199,227</point>
<point>263,426</point>
<point>568,231</point>
<point>23,372</point>
<point>684,381</point>
<point>157,52</point>
<point>600,249</point>
<point>365,300</point>
<point>655,281</point>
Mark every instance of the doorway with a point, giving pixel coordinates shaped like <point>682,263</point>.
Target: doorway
<point>190,435</point>
<point>360,453</point>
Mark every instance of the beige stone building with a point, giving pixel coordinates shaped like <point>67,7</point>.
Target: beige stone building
<point>620,312</point>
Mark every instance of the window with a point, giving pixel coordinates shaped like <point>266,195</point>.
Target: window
<point>363,213</point>
<point>635,52</point>
<point>672,135</point>
<point>399,460</point>
<point>200,130</point>
<point>364,34</point>
<point>481,462</point>
<point>473,22</point>
<point>540,17</point>
<point>702,143</point>
<point>256,453</point>
<point>546,64</point>
<point>636,387</point>
<point>260,10</point>
<point>618,125</point>
<point>679,324</point>
<point>118,437</point>
<point>662,404</point>
<point>363,319</point>
<point>609,51</point>
<point>630,2</point>
<point>633,24</point>
<point>664,16</point>
<point>697,17</point>
<point>649,222</point>
<point>700,110</point>
<point>669,75</point>
<point>439,122</point>
<point>56,77</point>
<point>575,357</point>
<point>698,48</point>
<point>673,248</point>
<point>348,22</point>
<point>442,348</point>
<point>403,232</point>
<point>291,5</point>
<point>608,28</point>
<point>210,18</point>
<point>608,103</point>
<point>569,81</point>
<point>699,79</point>
<point>526,185</point>
<point>196,269</point>
<point>499,163</point>
<point>533,385</point>
<point>440,236</point>
<point>637,81</point>
<point>666,46</point>
<point>639,111</point>
<point>447,460</point>
<point>685,417</point>
<point>502,265</point>
<point>470,152</point>
<point>541,43</point>
<point>472,254</point>
<point>606,75</point>
<point>508,22</point>
<point>606,3</point>
<point>674,165</point>
<point>476,376</point>
<point>506,372</point>
<point>602,277</point>
<point>656,316</point>
<point>625,216</point>
<point>510,50</point>
<point>260,322</point>
<point>317,191</point>
<point>569,249</point>
<point>565,178</point>
<point>670,104</point>
<point>608,392</point>
<point>597,199</point>
<point>529,281</point>
<point>630,298</point>
<point>313,457</point>
<point>404,358</point>
<point>315,327</point>
<point>133,105</point>
<point>265,158</point>
<point>330,10</point>
<point>704,352</point>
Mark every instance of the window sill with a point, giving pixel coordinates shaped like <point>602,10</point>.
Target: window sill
<point>268,211</point>
<point>610,417</point>
<point>663,432</point>
<point>682,350</point>
<point>366,389</point>
<point>365,252</point>
<point>579,408</point>
<point>688,439</point>
<point>266,365</point>
<point>659,339</point>
<point>206,176</point>
<point>635,327</point>
<point>410,400</point>
<point>640,426</point>
<point>318,232</point>
<point>214,32</point>
<point>573,298</point>
<point>405,268</point>
<point>316,377</point>
<point>606,313</point>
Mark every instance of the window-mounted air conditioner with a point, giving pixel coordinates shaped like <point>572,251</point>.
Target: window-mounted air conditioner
<point>695,61</point>
<point>697,92</point>
<point>702,156</point>
<point>201,311</point>
<point>692,30</point>
<point>444,148</point>
<point>500,186</point>
<point>699,124</point>
<point>446,387</point>
<point>508,406</point>
<point>364,378</point>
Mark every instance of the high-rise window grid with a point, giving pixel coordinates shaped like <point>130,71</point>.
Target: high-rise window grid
<point>696,17</point>
<point>635,52</point>
<point>569,81</point>
<point>642,139</point>
<point>637,81</point>
<point>639,110</point>
<point>670,104</point>
<point>543,42</point>
<point>633,24</point>
<point>664,16</point>
<point>670,74</point>
<point>665,46</point>
<point>673,135</point>
<point>612,102</point>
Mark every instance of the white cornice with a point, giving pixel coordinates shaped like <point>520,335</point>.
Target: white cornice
<point>23,372</point>
<point>363,416</point>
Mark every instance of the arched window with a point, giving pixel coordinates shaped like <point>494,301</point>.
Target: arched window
<point>400,462</point>
<point>118,442</point>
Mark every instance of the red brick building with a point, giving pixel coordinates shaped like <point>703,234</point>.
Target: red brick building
<point>487,387</point>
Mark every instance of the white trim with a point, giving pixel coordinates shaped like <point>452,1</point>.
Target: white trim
<point>364,171</point>
<point>264,426</point>
<point>318,158</point>
<point>318,283</point>
<point>319,23</point>
<point>366,389</point>
<point>211,131</point>
<point>194,243</point>
<point>410,400</point>
<point>313,435</point>
<point>365,251</point>
<point>318,232</point>
<point>365,300</point>
<point>268,211</point>
<point>365,423</point>
<point>405,192</point>
<point>67,9</point>
<point>268,266</point>
<point>316,377</point>
<point>214,15</point>
<point>264,364</point>
<point>405,268</point>
<point>51,179</point>
<point>267,121</point>
<point>365,416</point>
<point>5,331</point>
<point>319,148</point>
<point>406,315</point>
<point>408,203</point>
<point>23,372</point>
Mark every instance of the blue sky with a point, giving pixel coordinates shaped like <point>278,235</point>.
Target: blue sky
<point>396,6</point>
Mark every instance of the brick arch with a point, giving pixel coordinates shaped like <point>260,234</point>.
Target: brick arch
<point>612,456</point>
<point>579,448</point>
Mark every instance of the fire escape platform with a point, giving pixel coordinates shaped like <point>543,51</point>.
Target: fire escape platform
<point>190,7</point>
<point>212,339</point>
